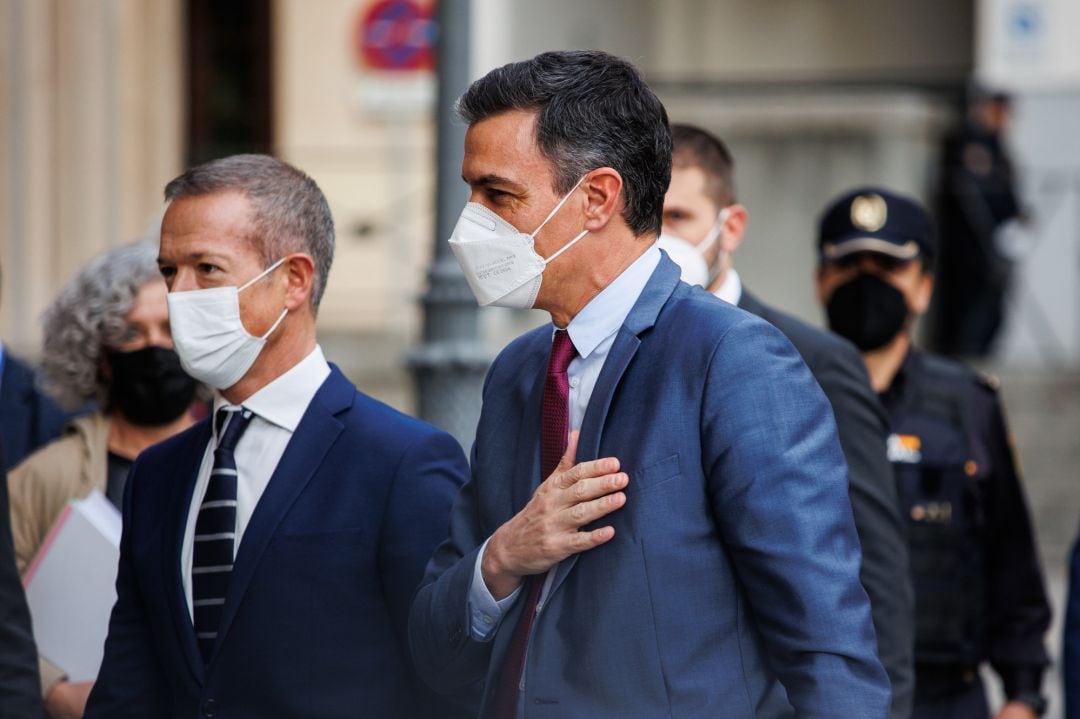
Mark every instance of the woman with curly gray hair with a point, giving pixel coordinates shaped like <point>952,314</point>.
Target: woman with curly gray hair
<point>107,340</point>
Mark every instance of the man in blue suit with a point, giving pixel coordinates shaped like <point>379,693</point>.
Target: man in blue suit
<point>28,417</point>
<point>654,527</point>
<point>270,554</point>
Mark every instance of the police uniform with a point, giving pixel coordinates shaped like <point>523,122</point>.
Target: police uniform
<point>979,591</point>
<point>977,195</point>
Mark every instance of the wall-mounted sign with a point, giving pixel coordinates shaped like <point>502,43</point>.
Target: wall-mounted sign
<point>397,36</point>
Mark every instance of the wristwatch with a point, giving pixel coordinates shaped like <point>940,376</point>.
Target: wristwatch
<point>1035,700</point>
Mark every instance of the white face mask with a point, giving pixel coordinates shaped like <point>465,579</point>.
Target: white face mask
<point>690,257</point>
<point>213,345</point>
<point>499,261</point>
<point>687,257</point>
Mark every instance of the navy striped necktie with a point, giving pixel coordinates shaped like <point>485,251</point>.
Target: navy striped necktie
<point>215,531</point>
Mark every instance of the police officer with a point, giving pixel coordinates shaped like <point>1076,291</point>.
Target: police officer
<point>979,211</point>
<point>979,591</point>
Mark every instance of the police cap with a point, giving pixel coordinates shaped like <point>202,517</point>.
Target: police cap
<point>872,219</point>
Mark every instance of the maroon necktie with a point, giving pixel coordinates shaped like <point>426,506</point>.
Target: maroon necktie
<point>554,429</point>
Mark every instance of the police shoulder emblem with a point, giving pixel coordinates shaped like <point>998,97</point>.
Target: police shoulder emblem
<point>869,212</point>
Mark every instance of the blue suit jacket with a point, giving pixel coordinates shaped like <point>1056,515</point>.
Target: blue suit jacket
<point>28,418</point>
<point>1070,655</point>
<point>315,618</point>
<point>734,571</point>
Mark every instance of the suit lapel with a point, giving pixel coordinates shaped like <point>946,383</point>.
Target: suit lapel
<point>659,288</point>
<point>526,459</point>
<point>307,448</point>
<point>189,459</point>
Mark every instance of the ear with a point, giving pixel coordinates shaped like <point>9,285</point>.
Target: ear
<point>734,228</point>
<point>923,292</point>
<point>603,197</point>
<point>299,278</point>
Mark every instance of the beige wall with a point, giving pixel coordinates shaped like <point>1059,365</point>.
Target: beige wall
<point>375,165</point>
<point>795,40</point>
<point>89,134</point>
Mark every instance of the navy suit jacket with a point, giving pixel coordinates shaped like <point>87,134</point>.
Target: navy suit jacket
<point>1071,649</point>
<point>20,685</point>
<point>28,418</point>
<point>314,623</point>
<point>732,583</point>
<point>863,425</point>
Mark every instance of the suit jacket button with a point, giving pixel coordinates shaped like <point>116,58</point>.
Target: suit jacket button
<point>209,708</point>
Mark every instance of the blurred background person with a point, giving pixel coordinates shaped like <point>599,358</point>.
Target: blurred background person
<point>107,340</point>
<point>978,214</point>
<point>1071,649</point>
<point>979,590</point>
<point>28,417</point>
<point>19,682</point>
<point>703,225</point>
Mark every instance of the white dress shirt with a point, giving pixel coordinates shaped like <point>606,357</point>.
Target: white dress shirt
<point>593,332</point>
<point>731,290</point>
<point>278,408</point>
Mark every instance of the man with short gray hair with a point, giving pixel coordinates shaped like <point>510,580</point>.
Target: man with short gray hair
<point>270,553</point>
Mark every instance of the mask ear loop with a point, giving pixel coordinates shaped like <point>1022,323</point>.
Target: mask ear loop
<point>566,247</point>
<point>255,279</point>
<point>714,232</point>
<point>275,325</point>
<point>558,206</point>
<point>259,276</point>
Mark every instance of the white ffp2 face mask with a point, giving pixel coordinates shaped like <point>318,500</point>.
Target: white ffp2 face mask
<point>499,261</point>
<point>209,336</point>
<point>690,257</point>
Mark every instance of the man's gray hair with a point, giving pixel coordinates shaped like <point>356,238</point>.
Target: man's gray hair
<point>87,318</point>
<point>290,212</point>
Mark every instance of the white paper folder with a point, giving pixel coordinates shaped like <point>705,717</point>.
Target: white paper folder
<point>70,586</point>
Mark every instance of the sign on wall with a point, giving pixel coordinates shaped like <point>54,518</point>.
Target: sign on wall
<point>1028,44</point>
<point>394,45</point>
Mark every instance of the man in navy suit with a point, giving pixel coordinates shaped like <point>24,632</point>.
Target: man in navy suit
<point>20,684</point>
<point>28,417</point>
<point>692,552</point>
<point>270,554</point>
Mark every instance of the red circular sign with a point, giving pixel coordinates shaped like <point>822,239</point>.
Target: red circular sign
<point>397,35</point>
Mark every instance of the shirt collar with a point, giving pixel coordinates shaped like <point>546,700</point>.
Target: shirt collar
<point>284,401</point>
<point>606,312</point>
<point>731,290</point>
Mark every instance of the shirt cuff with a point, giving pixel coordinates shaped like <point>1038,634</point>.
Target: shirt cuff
<point>485,612</point>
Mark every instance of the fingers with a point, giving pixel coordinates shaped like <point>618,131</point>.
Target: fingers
<point>585,470</point>
<point>583,541</point>
<point>570,454</point>
<point>583,513</point>
<point>594,487</point>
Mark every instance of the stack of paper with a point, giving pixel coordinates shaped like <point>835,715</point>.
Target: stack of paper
<point>70,586</point>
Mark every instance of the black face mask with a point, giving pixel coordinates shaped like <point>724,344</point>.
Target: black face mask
<point>868,311</point>
<point>149,386</point>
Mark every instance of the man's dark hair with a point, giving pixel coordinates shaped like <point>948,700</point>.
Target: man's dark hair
<point>694,147</point>
<point>290,212</point>
<point>592,110</point>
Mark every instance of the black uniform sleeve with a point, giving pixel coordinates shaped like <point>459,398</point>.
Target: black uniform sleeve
<point>1071,644</point>
<point>1018,611</point>
<point>20,686</point>
<point>885,572</point>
